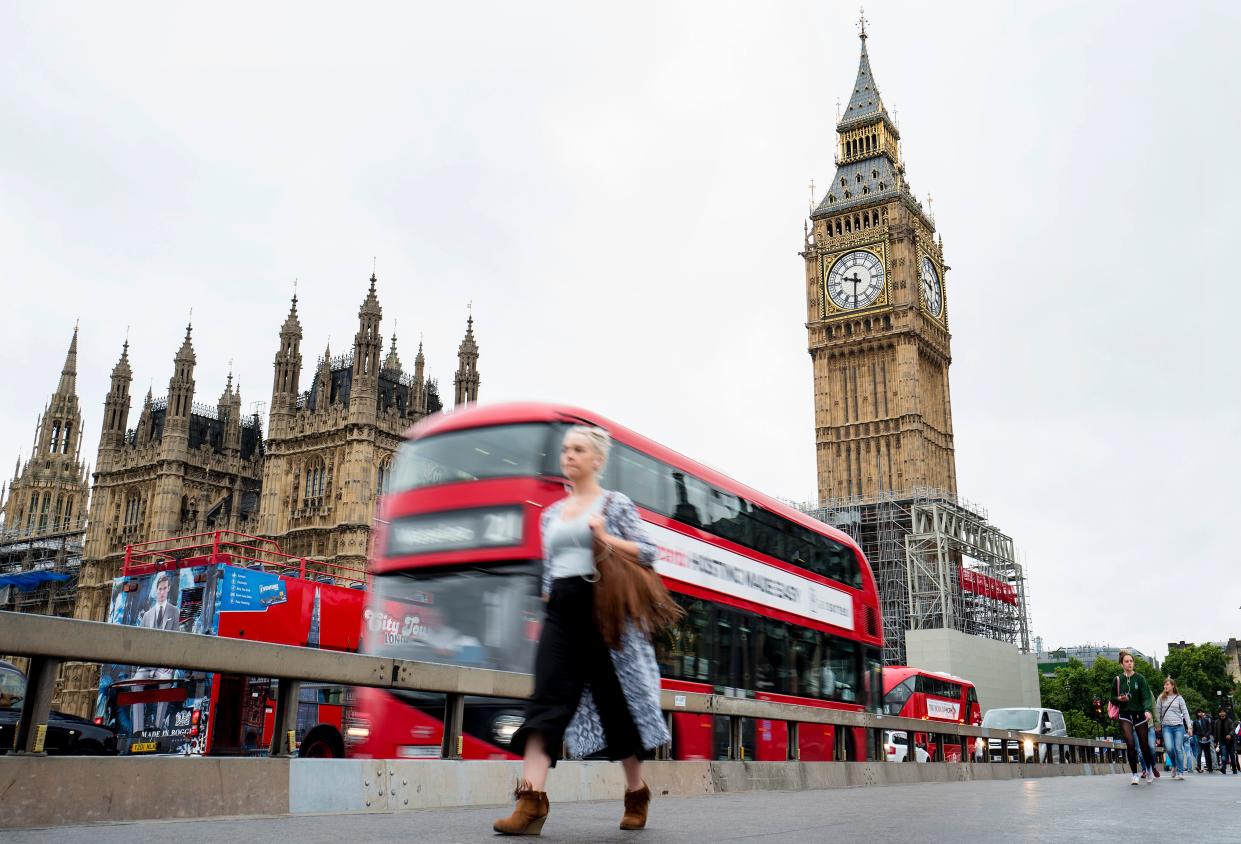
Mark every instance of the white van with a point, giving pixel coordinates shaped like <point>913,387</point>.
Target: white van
<point>1033,722</point>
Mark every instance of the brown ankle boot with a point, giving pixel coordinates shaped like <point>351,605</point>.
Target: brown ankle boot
<point>528,817</point>
<point>636,804</point>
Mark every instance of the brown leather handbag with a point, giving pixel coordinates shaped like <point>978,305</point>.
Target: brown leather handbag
<point>628,591</point>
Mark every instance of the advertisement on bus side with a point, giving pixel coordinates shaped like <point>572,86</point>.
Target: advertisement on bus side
<point>158,709</point>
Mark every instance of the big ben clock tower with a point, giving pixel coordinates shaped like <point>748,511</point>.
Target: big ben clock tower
<point>877,306</point>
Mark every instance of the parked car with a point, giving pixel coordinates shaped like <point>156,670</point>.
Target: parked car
<point>66,734</point>
<point>896,748</point>
<point>1033,724</point>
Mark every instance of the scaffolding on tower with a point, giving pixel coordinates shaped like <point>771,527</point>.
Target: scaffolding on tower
<point>938,563</point>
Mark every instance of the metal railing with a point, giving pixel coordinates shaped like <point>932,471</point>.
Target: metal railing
<point>48,641</point>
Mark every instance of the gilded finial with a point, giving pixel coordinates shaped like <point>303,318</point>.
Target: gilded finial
<point>812,196</point>
<point>861,22</point>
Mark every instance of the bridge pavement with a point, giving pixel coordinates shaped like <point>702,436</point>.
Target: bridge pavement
<point>1060,809</point>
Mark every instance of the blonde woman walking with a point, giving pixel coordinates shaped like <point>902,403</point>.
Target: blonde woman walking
<point>586,696</point>
<point>1174,716</point>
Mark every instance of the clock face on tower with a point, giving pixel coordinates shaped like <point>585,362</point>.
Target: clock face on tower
<point>932,291</point>
<point>855,280</point>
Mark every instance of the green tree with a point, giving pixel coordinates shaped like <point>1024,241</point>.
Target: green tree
<point>1193,699</point>
<point>1081,725</point>
<point>1203,668</point>
<point>1072,689</point>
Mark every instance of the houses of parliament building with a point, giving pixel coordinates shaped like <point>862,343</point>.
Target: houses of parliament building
<point>185,466</point>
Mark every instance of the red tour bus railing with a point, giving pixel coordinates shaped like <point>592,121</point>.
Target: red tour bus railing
<point>234,548</point>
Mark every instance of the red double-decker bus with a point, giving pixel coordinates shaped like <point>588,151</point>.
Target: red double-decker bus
<point>778,606</point>
<point>931,696</point>
<point>233,585</point>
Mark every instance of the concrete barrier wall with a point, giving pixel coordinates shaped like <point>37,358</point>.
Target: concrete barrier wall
<point>58,791</point>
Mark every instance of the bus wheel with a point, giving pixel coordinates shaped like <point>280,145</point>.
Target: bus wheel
<point>322,743</point>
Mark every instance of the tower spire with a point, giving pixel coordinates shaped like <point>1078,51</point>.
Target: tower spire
<point>864,101</point>
<point>69,372</point>
<point>466,379</point>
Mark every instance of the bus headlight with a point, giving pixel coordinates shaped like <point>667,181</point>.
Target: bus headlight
<point>357,728</point>
<point>504,727</point>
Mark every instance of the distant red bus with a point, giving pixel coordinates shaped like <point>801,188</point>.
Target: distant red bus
<point>931,696</point>
<point>778,606</point>
<point>233,585</point>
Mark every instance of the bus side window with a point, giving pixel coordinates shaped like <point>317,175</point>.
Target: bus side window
<point>643,479</point>
<point>691,500</point>
<point>724,515</point>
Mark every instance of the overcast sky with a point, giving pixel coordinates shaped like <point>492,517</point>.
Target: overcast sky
<point>621,190</point>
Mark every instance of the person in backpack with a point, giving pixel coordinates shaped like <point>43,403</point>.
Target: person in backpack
<point>1204,729</point>
<point>1174,718</point>
<point>1131,695</point>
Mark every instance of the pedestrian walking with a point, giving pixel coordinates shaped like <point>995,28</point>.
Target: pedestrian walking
<point>1174,718</point>
<point>596,681</point>
<point>1153,739</point>
<point>1204,729</point>
<point>1131,703</point>
<point>1224,741</point>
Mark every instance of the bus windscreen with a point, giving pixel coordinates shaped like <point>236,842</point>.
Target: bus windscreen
<point>501,451</point>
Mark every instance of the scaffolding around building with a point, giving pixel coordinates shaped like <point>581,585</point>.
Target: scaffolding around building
<point>39,569</point>
<point>938,563</point>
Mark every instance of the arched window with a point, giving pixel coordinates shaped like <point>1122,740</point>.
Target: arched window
<point>382,477</point>
<point>316,479</point>
<point>133,509</point>
<point>55,437</point>
<point>68,430</point>
<point>60,507</point>
<point>47,505</point>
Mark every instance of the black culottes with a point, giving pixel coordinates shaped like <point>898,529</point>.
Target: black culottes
<point>571,656</point>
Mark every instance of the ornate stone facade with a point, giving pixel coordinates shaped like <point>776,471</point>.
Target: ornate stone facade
<point>49,493</point>
<point>44,510</point>
<point>877,318</point>
<point>312,486</point>
<point>329,448</point>
<point>185,468</point>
